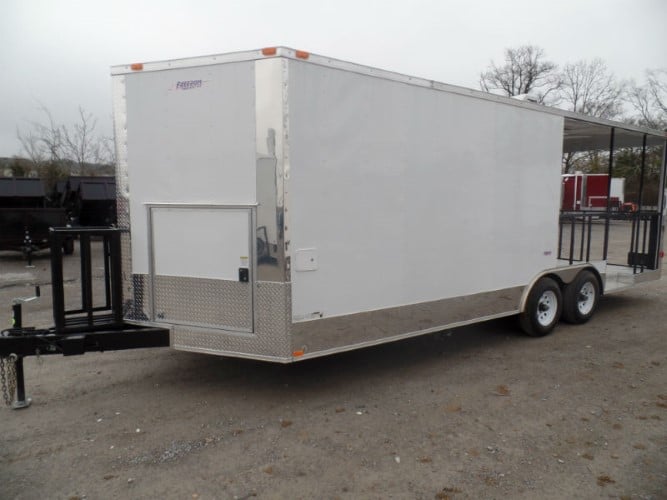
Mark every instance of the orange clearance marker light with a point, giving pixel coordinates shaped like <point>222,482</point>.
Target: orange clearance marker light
<point>297,354</point>
<point>302,54</point>
<point>269,51</point>
<point>137,66</point>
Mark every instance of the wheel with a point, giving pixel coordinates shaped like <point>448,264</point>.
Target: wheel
<point>68,247</point>
<point>543,308</point>
<point>580,298</point>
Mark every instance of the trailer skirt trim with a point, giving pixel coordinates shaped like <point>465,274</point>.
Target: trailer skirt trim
<point>342,333</point>
<point>403,336</point>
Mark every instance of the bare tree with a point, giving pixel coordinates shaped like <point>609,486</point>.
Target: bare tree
<point>44,141</point>
<point>657,82</point>
<point>523,71</point>
<point>106,152</point>
<point>650,100</point>
<point>80,142</point>
<point>588,87</point>
<point>56,150</point>
<point>640,99</point>
<point>31,146</point>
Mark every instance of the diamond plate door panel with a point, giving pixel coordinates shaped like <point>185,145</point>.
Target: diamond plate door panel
<point>203,302</point>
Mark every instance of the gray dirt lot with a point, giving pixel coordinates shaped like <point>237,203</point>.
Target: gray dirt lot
<point>476,412</point>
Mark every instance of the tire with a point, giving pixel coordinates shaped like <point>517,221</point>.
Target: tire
<point>580,299</point>
<point>543,308</point>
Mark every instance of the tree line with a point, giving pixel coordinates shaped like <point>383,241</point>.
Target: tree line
<point>53,150</point>
<point>590,88</point>
<point>586,87</point>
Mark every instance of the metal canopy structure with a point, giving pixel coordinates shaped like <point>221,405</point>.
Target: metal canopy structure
<point>580,134</point>
<point>635,155</point>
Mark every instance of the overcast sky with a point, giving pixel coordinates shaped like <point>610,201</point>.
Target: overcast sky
<point>58,52</point>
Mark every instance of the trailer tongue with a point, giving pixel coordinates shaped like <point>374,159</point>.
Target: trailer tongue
<point>88,328</point>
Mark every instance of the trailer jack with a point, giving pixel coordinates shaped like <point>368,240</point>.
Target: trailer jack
<point>89,328</point>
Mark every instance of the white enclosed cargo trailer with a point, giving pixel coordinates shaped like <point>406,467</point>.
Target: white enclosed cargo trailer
<point>283,205</point>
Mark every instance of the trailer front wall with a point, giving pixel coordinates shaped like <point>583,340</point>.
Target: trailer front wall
<point>406,200</point>
<point>190,139</point>
<point>192,173</point>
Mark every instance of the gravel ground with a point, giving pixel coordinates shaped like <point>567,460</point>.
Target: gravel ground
<point>476,412</point>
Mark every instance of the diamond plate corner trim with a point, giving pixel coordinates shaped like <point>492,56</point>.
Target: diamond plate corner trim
<point>136,296</point>
<point>134,286</point>
<point>203,302</point>
<point>120,136</point>
<point>286,169</point>
<point>271,339</point>
<point>342,333</point>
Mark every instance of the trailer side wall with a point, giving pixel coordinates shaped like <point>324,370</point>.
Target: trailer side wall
<point>402,195</point>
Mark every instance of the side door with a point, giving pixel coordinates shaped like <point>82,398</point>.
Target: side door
<point>202,265</point>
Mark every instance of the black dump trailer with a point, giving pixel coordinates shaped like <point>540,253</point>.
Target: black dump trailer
<point>25,218</point>
<point>89,201</point>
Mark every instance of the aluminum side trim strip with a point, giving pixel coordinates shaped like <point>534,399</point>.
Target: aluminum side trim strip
<point>337,334</point>
<point>402,336</point>
<point>235,354</point>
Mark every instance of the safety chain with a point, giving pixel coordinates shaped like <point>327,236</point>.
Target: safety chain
<point>8,377</point>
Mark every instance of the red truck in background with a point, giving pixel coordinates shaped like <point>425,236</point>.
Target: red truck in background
<point>582,191</point>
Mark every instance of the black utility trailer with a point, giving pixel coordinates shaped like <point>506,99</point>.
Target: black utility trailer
<point>96,324</point>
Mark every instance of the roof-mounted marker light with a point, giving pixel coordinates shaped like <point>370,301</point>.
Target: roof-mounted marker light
<point>137,66</point>
<point>302,54</point>
<point>269,51</point>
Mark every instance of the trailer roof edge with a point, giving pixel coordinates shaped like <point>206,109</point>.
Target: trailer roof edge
<point>289,53</point>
